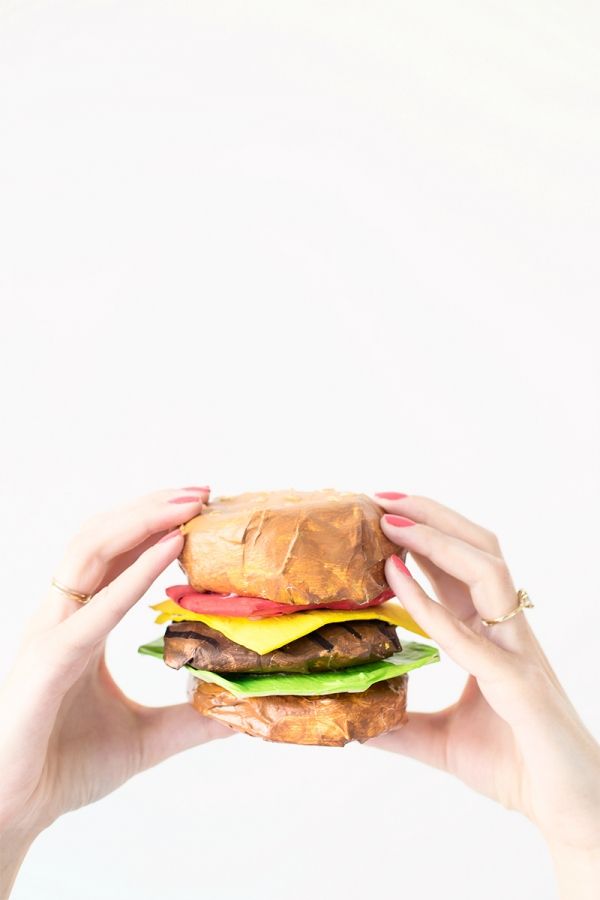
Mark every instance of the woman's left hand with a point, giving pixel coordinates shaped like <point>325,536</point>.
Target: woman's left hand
<point>70,735</point>
<point>513,733</point>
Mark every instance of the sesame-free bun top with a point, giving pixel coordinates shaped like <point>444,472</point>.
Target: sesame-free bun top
<point>288,546</point>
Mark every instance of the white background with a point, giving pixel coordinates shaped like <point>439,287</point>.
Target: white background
<point>305,245</point>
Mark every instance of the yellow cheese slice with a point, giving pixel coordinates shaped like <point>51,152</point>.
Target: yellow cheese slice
<point>264,635</point>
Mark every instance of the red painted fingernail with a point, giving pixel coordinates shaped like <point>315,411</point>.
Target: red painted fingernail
<point>398,521</point>
<point>186,500</point>
<point>400,565</point>
<point>169,535</point>
<point>390,495</point>
<point>204,487</point>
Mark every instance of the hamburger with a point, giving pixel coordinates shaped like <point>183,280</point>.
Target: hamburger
<point>286,625</point>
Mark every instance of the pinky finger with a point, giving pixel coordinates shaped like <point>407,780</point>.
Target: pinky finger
<point>470,651</point>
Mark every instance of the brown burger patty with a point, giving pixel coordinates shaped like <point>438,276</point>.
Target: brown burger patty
<point>330,720</point>
<point>334,646</point>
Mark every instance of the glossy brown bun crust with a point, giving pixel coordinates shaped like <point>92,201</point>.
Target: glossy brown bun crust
<point>328,721</point>
<point>289,546</point>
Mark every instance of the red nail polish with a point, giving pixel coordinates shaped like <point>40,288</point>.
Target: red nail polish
<point>398,521</point>
<point>204,487</point>
<point>169,535</point>
<point>390,495</point>
<point>400,565</point>
<point>186,500</point>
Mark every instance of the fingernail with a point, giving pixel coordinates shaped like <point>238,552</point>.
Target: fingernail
<point>169,535</point>
<point>204,487</point>
<point>398,521</point>
<point>400,565</point>
<point>390,495</point>
<point>186,500</point>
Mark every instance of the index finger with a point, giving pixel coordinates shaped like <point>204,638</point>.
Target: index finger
<point>431,512</point>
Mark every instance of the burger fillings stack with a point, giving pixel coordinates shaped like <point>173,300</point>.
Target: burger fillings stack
<point>286,625</point>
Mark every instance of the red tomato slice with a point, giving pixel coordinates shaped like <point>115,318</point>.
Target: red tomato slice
<point>254,607</point>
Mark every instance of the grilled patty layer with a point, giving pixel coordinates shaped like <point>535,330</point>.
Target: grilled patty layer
<point>334,646</point>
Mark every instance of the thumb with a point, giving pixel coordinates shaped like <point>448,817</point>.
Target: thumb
<point>167,730</point>
<point>423,738</point>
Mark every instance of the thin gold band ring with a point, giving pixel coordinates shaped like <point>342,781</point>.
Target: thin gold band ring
<point>70,593</point>
<point>523,603</point>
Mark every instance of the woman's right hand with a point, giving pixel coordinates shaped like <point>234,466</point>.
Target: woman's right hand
<point>69,733</point>
<point>513,734</point>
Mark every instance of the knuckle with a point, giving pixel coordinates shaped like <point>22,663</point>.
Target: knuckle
<point>494,567</point>
<point>426,537</point>
<point>89,545</point>
<point>93,524</point>
<point>419,504</point>
<point>160,496</point>
<point>491,541</point>
<point>425,510</point>
<point>89,555</point>
<point>86,540</point>
<point>149,524</point>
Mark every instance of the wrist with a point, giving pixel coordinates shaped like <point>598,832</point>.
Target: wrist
<point>577,870</point>
<point>14,846</point>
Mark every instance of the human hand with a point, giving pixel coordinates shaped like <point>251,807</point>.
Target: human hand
<point>513,734</point>
<point>69,734</point>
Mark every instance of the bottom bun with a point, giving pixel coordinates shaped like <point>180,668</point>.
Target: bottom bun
<point>329,721</point>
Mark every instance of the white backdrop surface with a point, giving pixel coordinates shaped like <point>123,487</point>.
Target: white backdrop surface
<point>305,245</point>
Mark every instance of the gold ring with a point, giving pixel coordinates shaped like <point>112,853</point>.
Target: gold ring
<point>523,603</point>
<point>70,593</point>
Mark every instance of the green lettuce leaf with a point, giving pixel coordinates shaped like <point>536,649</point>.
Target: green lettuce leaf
<point>352,680</point>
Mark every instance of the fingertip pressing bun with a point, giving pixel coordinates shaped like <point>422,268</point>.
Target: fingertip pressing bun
<point>329,721</point>
<point>289,546</point>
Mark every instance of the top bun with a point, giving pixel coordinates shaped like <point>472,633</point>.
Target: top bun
<point>289,546</point>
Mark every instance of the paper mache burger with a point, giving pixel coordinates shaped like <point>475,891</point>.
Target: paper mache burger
<point>287,627</point>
